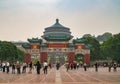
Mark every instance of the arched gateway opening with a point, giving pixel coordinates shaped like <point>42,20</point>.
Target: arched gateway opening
<point>56,45</point>
<point>79,58</point>
<point>55,57</point>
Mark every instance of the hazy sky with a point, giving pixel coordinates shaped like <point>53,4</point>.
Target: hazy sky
<point>22,19</point>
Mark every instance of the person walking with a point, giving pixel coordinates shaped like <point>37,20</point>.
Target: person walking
<point>109,67</point>
<point>67,66</point>
<point>7,66</point>
<point>13,68</point>
<point>24,68</point>
<point>57,65</point>
<point>71,65</point>
<point>3,66</point>
<point>96,67</point>
<point>85,67</point>
<point>38,67</point>
<point>115,67</point>
<point>0,66</point>
<point>45,66</point>
<point>30,67</point>
<point>18,67</point>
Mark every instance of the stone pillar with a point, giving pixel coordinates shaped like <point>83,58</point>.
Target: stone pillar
<point>71,56</point>
<point>27,58</point>
<point>43,56</point>
<point>87,59</point>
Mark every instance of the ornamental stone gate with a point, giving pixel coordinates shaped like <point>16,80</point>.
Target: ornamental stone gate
<point>56,45</point>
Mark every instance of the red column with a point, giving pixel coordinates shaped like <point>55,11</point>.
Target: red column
<point>43,56</point>
<point>27,58</point>
<point>71,56</point>
<point>87,58</point>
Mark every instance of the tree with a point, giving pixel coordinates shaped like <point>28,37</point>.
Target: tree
<point>95,48</point>
<point>9,52</point>
<point>20,55</point>
<point>110,48</point>
<point>87,35</point>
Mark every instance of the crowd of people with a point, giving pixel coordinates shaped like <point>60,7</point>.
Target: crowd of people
<point>71,66</point>
<point>18,68</point>
<point>21,68</point>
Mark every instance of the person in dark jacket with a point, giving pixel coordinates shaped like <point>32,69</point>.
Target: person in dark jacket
<point>30,67</point>
<point>96,67</point>
<point>3,66</point>
<point>24,68</point>
<point>57,65</point>
<point>13,68</point>
<point>109,67</point>
<point>38,65</point>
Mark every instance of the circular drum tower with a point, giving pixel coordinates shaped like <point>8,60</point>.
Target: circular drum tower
<point>57,38</point>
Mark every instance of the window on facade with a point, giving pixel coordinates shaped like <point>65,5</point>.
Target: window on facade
<point>37,51</point>
<point>65,49</point>
<point>59,49</point>
<point>54,49</point>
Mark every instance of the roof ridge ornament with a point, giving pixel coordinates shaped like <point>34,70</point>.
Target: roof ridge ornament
<point>57,20</point>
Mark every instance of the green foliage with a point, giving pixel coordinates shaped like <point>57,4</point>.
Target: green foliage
<point>110,49</point>
<point>20,55</point>
<point>95,48</point>
<point>87,35</point>
<point>35,60</point>
<point>9,52</point>
<point>79,57</point>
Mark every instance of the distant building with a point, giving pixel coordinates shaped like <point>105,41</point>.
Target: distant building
<point>56,45</point>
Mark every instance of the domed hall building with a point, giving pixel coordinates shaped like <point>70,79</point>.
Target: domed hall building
<point>56,45</point>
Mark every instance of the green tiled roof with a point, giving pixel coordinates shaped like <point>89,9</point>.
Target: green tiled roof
<point>57,32</point>
<point>57,24</point>
<point>26,46</point>
<point>55,37</point>
<point>79,40</point>
<point>34,40</point>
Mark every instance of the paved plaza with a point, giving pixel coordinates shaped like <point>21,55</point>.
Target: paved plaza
<point>63,77</point>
